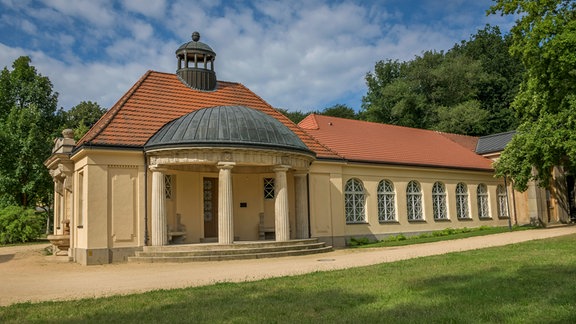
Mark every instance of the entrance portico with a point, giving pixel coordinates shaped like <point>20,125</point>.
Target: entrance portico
<point>260,146</point>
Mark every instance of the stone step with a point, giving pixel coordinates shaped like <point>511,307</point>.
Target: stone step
<point>224,257</point>
<point>234,246</point>
<point>229,251</point>
<point>235,251</point>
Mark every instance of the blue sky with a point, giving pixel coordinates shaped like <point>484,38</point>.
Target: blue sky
<point>298,54</point>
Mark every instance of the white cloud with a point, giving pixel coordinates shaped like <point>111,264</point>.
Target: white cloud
<point>149,8</point>
<point>295,54</point>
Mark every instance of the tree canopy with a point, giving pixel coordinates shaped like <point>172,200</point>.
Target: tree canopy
<point>29,122</point>
<point>467,90</point>
<point>544,38</point>
<point>27,127</point>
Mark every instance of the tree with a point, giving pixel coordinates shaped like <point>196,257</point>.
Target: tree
<point>294,116</point>
<point>339,110</point>
<point>28,122</point>
<point>503,74</point>
<point>544,38</point>
<point>422,92</point>
<point>81,117</point>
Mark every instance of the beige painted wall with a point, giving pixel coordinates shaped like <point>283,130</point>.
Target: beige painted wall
<point>327,213</point>
<point>109,206</point>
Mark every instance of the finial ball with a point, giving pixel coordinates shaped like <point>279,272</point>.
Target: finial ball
<point>195,36</point>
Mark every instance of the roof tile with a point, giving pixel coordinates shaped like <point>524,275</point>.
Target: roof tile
<point>381,143</point>
<point>158,98</point>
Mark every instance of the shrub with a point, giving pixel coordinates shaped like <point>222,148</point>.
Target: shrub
<point>18,224</point>
<point>359,241</point>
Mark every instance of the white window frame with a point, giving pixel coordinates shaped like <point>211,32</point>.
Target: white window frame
<point>439,206</point>
<point>354,202</point>
<point>502,201</point>
<point>386,201</point>
<point>462,209</point>
<point>414,208</point>
<point>482,198</point>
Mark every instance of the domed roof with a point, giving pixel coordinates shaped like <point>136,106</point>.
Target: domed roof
<point>227,126</point>
<point>196,46</point>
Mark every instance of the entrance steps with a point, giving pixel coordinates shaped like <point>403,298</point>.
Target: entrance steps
<point>236,251</point>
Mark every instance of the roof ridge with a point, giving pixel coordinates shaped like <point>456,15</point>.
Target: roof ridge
<point>107,118</point>
<point>315,123</point>
<point>309,122</point>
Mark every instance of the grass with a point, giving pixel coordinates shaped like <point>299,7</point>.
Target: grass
<point>443,235</point>
<point>532,282</point>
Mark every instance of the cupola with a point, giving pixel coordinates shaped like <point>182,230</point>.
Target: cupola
<point>196,64</point>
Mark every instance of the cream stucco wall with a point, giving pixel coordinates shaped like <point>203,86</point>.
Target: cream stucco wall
<point>109,205</point>
<point>327,213</point>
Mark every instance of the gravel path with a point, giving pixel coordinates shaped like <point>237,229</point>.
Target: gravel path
<point>26,274</point>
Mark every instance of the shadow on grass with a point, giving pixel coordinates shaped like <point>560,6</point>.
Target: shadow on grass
<point>531,294</point>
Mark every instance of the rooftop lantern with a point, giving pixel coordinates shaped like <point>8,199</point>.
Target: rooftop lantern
<point>196,64</point>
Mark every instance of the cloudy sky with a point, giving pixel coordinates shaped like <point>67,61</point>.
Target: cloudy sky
<point>296,54</point>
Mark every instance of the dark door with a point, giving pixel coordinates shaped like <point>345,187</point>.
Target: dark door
<point>210,207</point>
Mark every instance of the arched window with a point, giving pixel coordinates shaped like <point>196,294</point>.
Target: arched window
<point>354,201</point>
<point>482,195</point>
<point>462,201</point>
<point>502,201</point>
<point>439,201</point>
<point>414,201</point>
<point>386,205</point>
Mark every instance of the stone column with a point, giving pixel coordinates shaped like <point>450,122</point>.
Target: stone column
<point>282,222</point>
<point>301,188</point>
<point>225,203</point>
<point>159,225</point>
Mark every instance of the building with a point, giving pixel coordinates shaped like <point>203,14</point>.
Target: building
<point>185,159</point>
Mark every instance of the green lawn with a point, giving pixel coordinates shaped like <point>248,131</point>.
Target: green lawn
<point>532,282</point>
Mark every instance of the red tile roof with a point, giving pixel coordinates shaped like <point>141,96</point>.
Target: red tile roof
<point>468,142</point>
<point>158,98</point>
<point>362,141</point>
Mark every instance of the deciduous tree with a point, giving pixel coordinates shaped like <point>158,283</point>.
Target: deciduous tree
<point>544,38</point>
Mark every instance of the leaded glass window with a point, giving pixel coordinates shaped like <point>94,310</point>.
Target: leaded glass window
<point>268,188</point>
<point>414,201</point>
<point>482,193</point>
<point>462,201</point>
<point>354,201</point>
<point>502,201</point>
<point>386,205</point>
<point>168,186</point>
<point>439,201</point>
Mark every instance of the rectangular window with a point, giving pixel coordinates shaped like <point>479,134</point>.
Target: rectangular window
<point>169,186</point>
<point>268,188</point>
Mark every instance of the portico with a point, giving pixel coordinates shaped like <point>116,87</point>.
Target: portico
<point>256,147</point>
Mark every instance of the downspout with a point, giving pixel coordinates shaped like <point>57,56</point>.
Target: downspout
<point>145,199</point>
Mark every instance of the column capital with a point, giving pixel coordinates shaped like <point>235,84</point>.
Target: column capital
<point>300,173</point>
<point>156,168</point>
<point>225,165</point>
<point>281,168</point>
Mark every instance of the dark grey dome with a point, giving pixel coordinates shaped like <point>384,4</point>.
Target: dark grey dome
<point>227,126</point>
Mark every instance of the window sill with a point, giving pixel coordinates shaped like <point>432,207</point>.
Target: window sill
<point>468,219</point>
<point>389,222</point>
<point>445,220</point>
<point>485,218</point>
<point>416,221</point>
<point>503,217</point>
<point>358,223</point>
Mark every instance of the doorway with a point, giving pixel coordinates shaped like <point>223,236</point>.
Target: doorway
<point>210,189</point>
